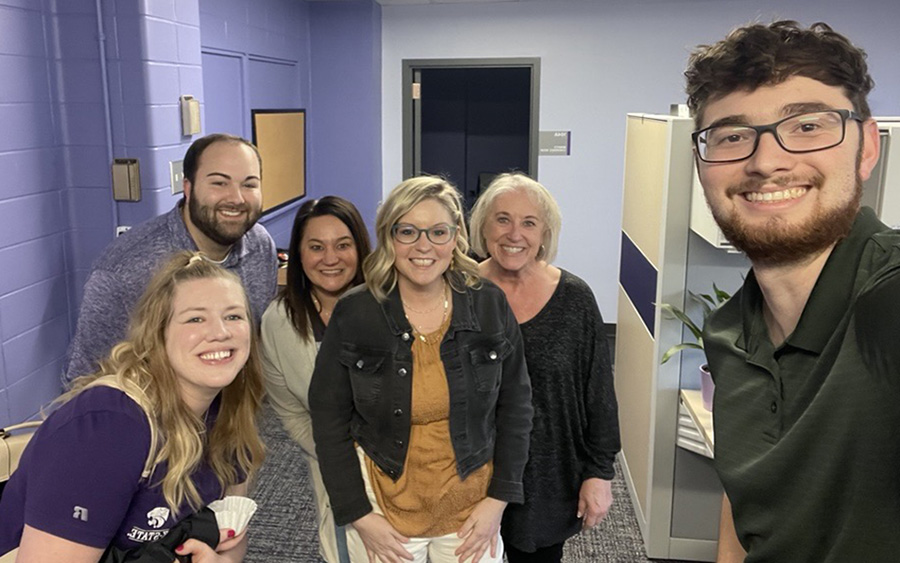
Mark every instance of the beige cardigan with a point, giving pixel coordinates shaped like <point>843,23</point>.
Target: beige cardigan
<point>288,362</point>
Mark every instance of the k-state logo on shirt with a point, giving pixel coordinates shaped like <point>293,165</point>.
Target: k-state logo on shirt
<point>157,517</point>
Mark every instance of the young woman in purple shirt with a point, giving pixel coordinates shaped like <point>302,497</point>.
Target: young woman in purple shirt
<point>166,426</point>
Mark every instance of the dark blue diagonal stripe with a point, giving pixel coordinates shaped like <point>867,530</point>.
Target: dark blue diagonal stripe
<point>638,277</point>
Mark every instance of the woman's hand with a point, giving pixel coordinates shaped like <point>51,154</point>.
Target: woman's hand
<point>481,530</point>
<point>594,501</point>
<point>231,548</point>
<point>382,541</point>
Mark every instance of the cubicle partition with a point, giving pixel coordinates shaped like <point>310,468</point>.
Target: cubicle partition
<point>653,269</point>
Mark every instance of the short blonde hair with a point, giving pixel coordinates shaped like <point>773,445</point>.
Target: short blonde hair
<point>516,181</point>
<point>378,267</point>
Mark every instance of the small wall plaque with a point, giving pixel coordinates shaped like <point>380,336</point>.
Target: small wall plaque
<point>554,143</point>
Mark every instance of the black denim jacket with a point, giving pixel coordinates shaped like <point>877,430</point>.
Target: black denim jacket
<point>361,392</point>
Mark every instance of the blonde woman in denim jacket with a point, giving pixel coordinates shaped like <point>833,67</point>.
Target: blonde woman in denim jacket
<point>421,401</point>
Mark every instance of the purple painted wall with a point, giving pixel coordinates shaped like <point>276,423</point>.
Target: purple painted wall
<point>154,59</point>
<point>45,112</point>
<point>152,50</point>
<point>152,56</point>
<point>345,117</point>
<point>56,209</point>
<point>255,56</point>
<point>323,57</point>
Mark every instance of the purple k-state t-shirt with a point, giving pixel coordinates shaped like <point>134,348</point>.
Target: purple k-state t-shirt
<point>80,477</point>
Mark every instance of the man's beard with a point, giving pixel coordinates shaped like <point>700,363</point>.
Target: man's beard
<point>205,218</point>
<point>778,243</point>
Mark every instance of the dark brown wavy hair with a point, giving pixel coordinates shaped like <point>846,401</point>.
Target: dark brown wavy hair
<point>296,294</point>
<point>757,55</point>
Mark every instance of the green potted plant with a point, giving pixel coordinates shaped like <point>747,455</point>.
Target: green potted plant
<point>709,303</point>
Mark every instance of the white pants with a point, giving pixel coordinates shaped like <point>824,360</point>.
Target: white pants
<point>436,550</point>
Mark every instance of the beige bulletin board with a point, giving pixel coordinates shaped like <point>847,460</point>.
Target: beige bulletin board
<point>280,136</point>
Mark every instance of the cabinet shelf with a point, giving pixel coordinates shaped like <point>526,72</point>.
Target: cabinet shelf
<point>695,426</point>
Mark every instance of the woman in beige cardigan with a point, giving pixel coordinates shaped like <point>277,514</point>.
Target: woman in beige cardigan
<point>328,243</point>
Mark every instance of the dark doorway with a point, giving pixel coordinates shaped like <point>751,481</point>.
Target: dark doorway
<point>469,122</point>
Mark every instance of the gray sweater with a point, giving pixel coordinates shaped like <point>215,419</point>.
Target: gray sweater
<point>121,274</point>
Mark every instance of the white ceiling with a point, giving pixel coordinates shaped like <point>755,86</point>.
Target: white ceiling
<point>396,2</point>
<point>409,2</point>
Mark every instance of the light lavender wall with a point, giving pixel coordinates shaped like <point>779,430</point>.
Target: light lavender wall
<point>599,61</point>
<point>255,56</point>
<point>345,121</point>
<point>323,57</point>
<point>153,57</point>
<point>34,255</point>
<point>56,209</point>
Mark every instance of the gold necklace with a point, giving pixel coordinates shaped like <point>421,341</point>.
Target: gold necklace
<point>322,313</point>
<point>418,329</point>
<point>436,305</point>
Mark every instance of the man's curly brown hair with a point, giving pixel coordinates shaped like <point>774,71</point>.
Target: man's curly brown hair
<point>758,55</point>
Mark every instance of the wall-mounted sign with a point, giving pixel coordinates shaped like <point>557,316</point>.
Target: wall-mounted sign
<point>554,143</point>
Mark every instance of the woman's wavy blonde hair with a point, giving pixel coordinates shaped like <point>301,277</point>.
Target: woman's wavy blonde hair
<point>140,364</point>
<point>378,267</point>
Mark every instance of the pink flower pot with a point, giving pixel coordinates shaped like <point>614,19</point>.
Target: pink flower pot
<point>707,387</point>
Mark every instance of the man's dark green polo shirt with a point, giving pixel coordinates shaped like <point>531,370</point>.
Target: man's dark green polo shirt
<point>807,437</point>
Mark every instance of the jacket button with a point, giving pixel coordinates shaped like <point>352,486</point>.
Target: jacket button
<point>360,364</point>
<point>398,443</point>
<point>398,412</point>
<point>774,407</point>
<point>405,337</point>
<point>492,355</point>
<point>402,372</point>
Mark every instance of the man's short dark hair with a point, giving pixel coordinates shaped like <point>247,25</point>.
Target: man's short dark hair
<point>758,55</point>
<point>195,151</point>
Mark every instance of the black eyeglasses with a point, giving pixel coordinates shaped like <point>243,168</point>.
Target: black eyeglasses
<point>804,132</point>
<point>404,233</point>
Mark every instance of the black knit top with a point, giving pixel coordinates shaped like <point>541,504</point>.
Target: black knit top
<point>576,428</point>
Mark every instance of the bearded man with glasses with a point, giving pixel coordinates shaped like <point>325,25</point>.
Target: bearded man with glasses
<point>805,355</point>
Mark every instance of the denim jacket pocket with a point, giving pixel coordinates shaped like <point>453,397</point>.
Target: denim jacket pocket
<point>487,364</point>
<point>366,376</point>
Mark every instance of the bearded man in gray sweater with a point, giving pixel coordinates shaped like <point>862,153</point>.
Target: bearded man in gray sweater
<point>217,216</point>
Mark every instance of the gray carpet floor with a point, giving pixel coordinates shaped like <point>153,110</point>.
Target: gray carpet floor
<point>284,530</point>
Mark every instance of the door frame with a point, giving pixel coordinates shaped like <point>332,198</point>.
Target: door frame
<point>412,113</point>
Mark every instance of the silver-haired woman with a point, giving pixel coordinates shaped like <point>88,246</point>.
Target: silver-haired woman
<point>515,224</point>
<point>420,398</point>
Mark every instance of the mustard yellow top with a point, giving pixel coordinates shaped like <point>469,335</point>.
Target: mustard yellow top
<point>429,499</point>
